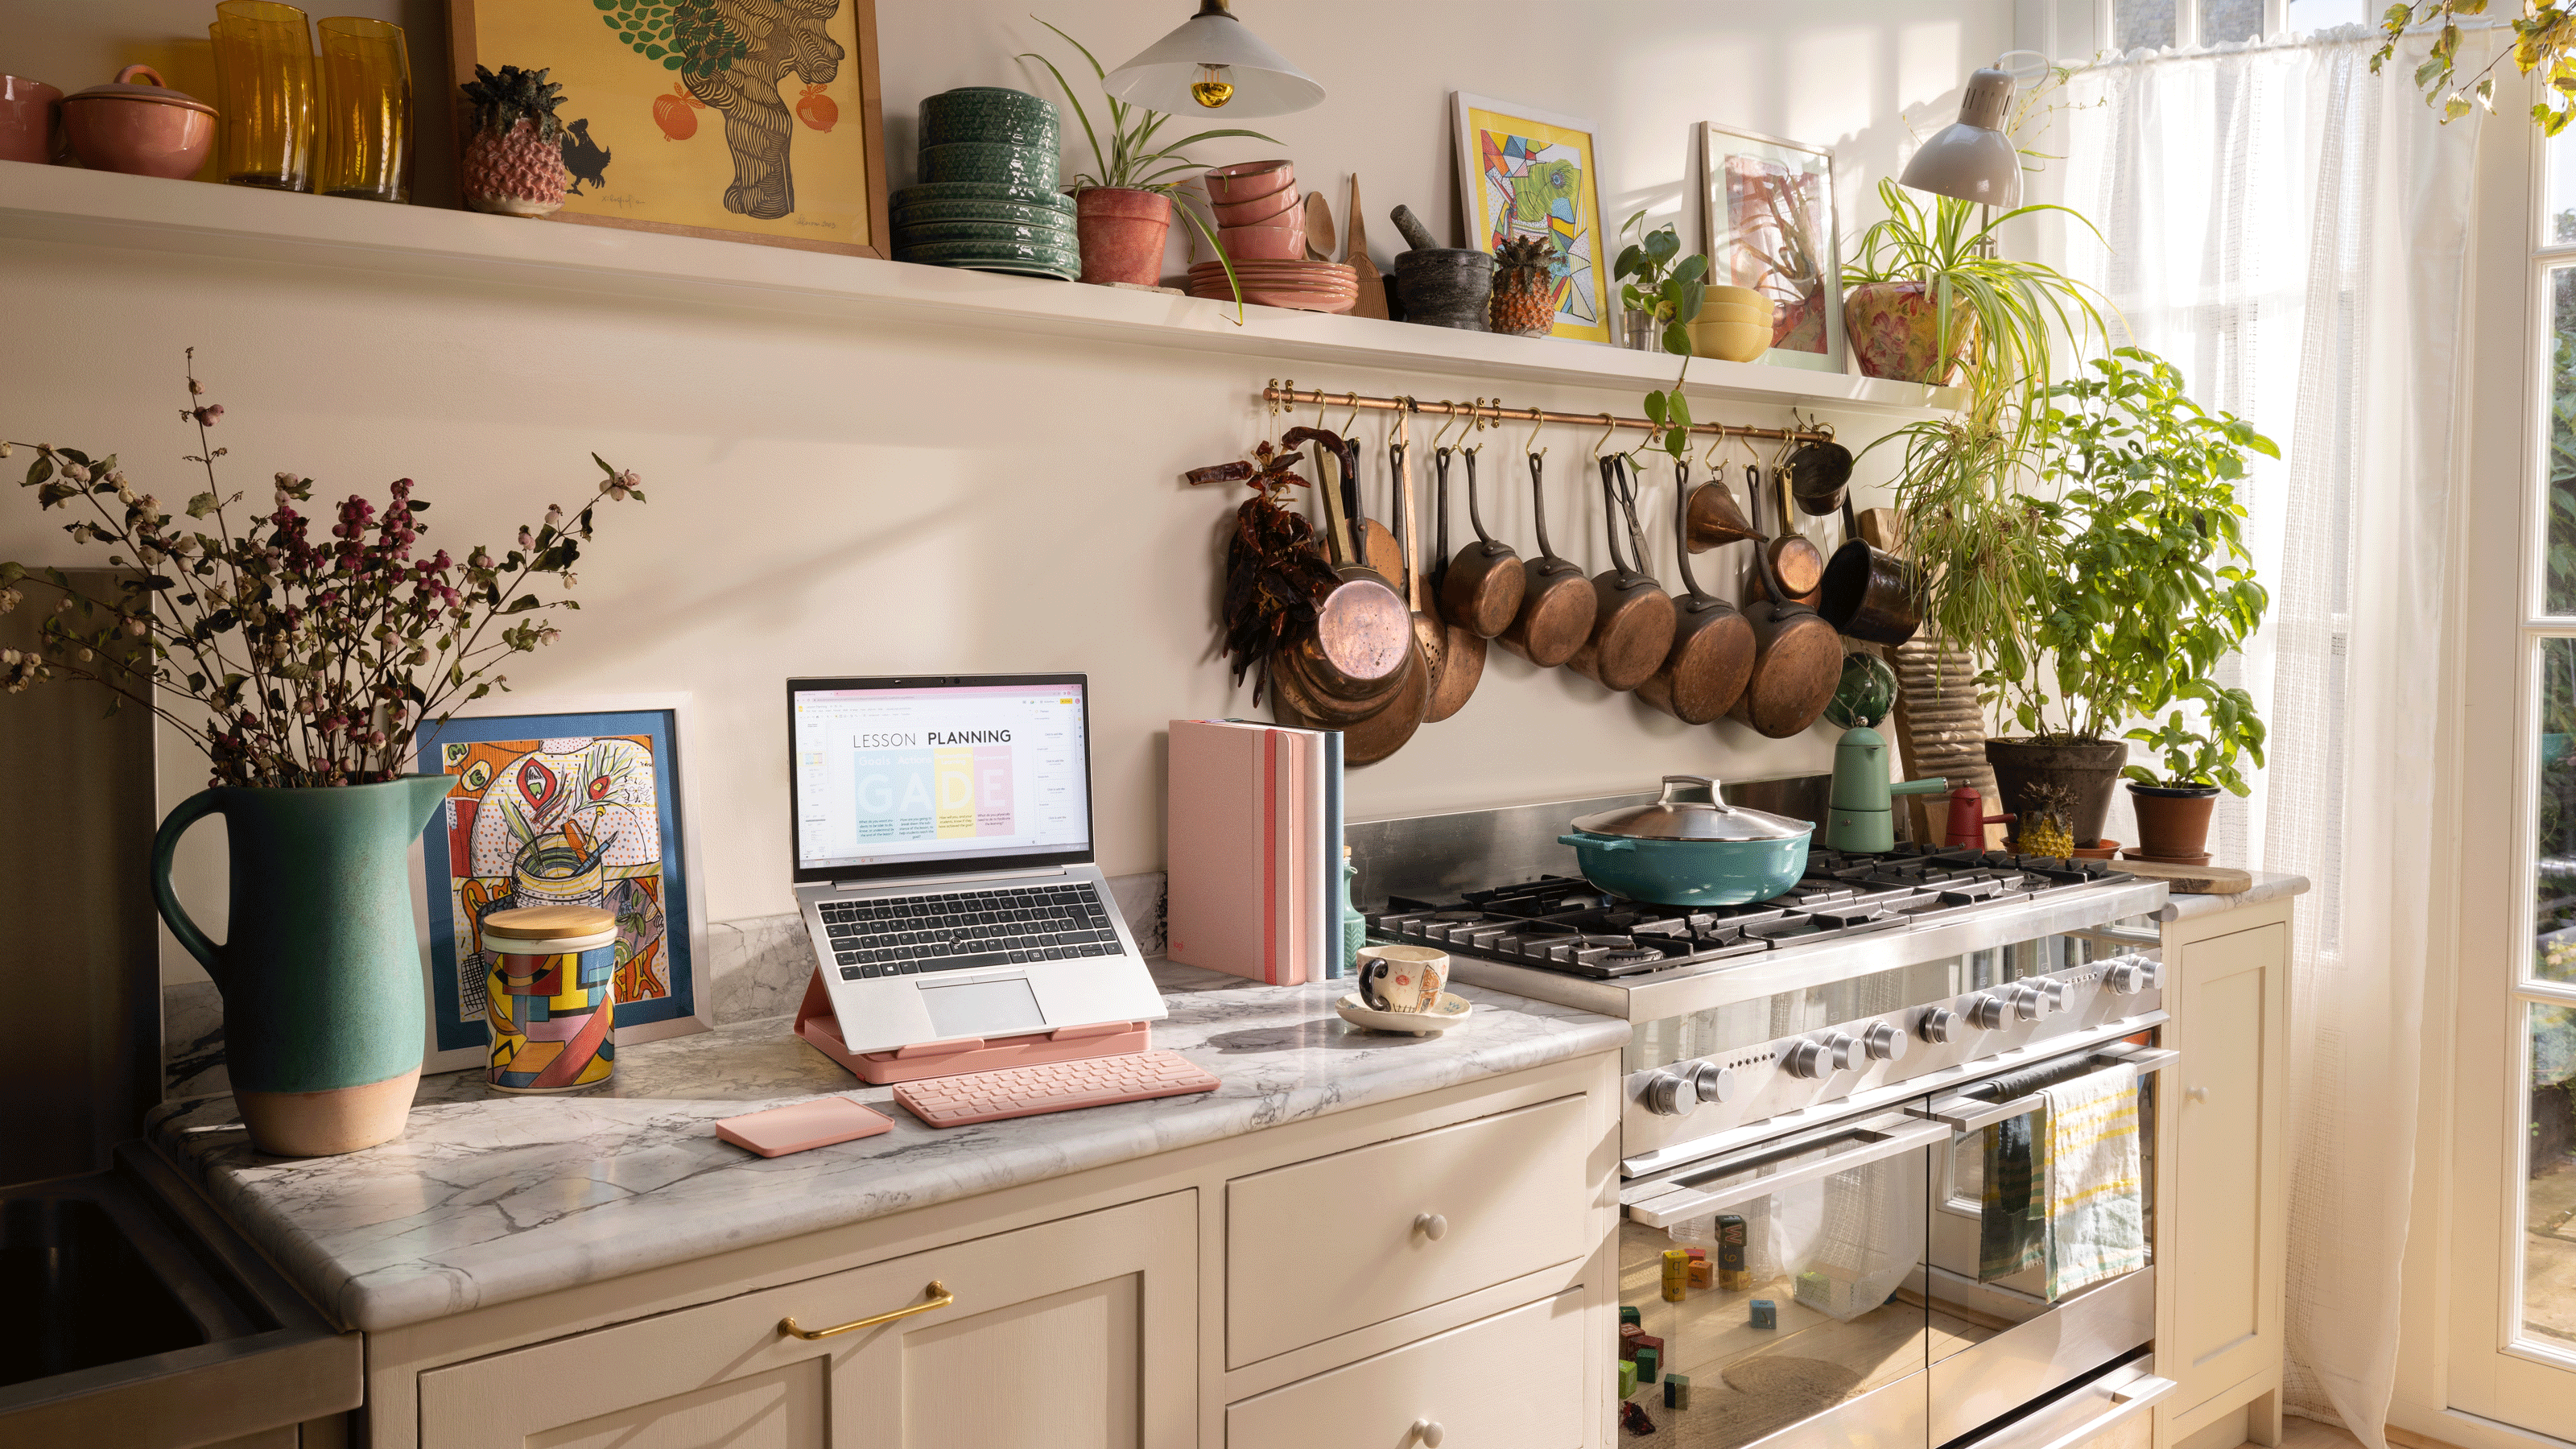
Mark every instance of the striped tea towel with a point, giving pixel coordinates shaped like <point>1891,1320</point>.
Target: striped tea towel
<point>2096,1222</point>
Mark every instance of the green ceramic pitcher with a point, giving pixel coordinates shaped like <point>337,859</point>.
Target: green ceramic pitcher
<point>323,1021</point>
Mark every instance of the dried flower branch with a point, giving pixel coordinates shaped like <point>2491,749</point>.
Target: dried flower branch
<point>312,662</point>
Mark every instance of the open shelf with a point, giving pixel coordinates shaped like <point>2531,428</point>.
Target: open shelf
<point>65,205</point>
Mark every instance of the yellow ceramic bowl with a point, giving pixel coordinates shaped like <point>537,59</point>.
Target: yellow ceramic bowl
<point>1730,341</point>
<point>1737,297</point>
<point>1711,311</point>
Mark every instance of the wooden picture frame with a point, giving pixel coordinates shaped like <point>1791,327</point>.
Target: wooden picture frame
<point>1572,214</point>
<point>1768,209</point>
<point>630,96</point>
<point>458,1034</point>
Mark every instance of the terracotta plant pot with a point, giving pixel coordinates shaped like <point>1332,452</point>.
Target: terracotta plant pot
<point>1892,332</point>
<point>1122,234</point>
<point>2173,822</point>
<point>2084,769</point>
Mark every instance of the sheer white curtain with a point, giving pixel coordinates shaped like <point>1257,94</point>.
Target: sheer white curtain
<point>2292,231</point>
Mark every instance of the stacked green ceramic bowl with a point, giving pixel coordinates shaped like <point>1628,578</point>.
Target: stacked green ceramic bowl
<point>987,198</point>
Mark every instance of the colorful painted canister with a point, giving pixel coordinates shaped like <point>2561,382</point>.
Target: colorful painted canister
<point>551,991</point>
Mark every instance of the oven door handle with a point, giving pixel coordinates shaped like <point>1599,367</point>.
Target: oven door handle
<point>1968,1114</point>
<point>1663,1204</point>
<point>2127,1402</point>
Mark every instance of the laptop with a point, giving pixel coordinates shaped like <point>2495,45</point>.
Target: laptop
<point>944,864</point>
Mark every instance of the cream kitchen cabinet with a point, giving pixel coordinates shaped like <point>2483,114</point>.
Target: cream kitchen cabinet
<point>2224,1210</point>
<point>1097,1307</point>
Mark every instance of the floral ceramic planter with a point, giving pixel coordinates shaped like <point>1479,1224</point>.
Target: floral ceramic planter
<point>1892,330</point>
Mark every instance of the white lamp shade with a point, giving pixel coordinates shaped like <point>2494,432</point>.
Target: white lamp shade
<point>1971,158</point>
<point>1265,84</point>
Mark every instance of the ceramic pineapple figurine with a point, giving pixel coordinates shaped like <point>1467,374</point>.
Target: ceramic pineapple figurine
<point>1524,300</point>
<point>514,162</point>
<point>2046,827</point>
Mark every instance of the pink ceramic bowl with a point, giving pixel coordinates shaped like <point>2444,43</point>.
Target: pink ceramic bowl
<point>31,121</point>
<point>1263,243</point>
<point>1258,210</point>
<point>1245,180</point>
<point>142,130</point>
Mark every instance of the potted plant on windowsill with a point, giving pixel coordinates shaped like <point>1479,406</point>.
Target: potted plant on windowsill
<point>2136,584</point>
<point>2199,757</point>
<point>1123,206</point>
<point>302,667</point>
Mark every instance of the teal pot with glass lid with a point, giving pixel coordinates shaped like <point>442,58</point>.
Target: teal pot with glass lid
<point>1690,848</point>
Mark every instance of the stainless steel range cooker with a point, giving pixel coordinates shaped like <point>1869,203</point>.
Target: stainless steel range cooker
<point>1848,1078</point>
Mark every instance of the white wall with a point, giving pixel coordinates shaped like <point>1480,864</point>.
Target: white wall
<point>828,499</point>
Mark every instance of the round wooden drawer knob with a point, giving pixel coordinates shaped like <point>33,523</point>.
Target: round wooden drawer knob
<point>1435,1227</point>
<point>2200,1094</point>
<point>1429,1432</point>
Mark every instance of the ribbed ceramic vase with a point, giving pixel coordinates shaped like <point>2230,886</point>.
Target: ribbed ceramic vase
<point>320,971</point>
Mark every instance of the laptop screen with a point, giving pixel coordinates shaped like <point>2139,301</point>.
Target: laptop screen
<point>892,777</point>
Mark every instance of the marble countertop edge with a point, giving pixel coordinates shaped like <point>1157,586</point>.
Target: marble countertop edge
<point>2269,885</point>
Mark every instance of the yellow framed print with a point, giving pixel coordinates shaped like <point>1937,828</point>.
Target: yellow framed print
<point>1527,172</point>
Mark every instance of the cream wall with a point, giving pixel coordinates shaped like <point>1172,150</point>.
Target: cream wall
<point>835,499</point>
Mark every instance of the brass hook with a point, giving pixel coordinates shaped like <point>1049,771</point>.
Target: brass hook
<point>1449,420</point>
<point>1350,422</point>
<point>1538,420</point>
<point>1708,457</point>
<point>1608,427</point>
<point>1475,423</point>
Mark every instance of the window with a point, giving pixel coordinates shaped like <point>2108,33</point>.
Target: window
<point>2156,24</point>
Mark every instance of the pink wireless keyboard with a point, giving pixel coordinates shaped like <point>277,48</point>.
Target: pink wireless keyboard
<point>1053,1087</point>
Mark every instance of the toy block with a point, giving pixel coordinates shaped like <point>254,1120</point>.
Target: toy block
<point>1766,1314</point>
<point>1676,1391</point>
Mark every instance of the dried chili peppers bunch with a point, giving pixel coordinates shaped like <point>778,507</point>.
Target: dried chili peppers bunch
<point>307,662</point>
<point>1275,572</point>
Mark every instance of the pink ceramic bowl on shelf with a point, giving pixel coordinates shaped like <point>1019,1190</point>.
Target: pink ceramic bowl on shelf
<point>1263,243</point>
<point>1245,180</point>
<point>1259,210</point>
<point>142,130</point>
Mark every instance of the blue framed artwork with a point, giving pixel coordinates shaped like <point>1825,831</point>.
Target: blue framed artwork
<point>561,807</point>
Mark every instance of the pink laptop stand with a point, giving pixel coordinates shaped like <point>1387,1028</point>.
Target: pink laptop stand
<point>821,1029</point>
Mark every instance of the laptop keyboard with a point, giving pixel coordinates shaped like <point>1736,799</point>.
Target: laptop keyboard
<point>964,930</point>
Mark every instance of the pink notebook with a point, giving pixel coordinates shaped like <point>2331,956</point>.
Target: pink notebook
<point>1242,829</point>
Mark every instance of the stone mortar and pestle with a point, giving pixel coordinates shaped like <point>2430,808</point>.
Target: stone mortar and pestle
<point>1441,286</point>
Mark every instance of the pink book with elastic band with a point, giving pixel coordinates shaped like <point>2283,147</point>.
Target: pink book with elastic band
<point>1219,873</point>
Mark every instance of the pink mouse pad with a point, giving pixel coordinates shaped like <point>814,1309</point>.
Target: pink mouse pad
<point>818,1123</point>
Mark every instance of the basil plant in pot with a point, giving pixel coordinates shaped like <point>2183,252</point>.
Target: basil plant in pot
<point>1123,206</point>
<point>301,653</point>
<point>2143,587</point>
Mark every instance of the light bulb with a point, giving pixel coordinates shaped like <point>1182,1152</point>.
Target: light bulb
<point>1212,89</point>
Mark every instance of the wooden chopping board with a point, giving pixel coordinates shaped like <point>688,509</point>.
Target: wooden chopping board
<point>2191,880</point>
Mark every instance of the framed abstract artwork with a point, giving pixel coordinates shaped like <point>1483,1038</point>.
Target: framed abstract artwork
<point>746,120</point>
<point>1526,172</point>
<point>564,802</point>
<point>1770,220</point>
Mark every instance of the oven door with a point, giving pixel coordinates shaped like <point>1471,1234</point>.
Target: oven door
<point>1807,1332</point>
<point>2008,1326</point>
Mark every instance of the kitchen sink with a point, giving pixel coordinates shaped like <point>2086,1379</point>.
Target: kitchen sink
<point>137,1316</point>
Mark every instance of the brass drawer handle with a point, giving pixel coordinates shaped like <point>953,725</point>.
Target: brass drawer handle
<point>938,1297</point>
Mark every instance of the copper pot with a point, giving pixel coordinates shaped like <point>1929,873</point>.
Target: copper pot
<point>1869,594</point>
<point>1363,632</point>
<point>1480,590</point>
<point>1462,653</point>
<point>1632,622</point>
<point>1712,653</point>
<point>1557,604</point>
<point>1797,660</point>
<point>1795,563</point>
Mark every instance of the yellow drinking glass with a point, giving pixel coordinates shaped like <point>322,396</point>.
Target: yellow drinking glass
<point>265,90</point>
<point>366,110</point>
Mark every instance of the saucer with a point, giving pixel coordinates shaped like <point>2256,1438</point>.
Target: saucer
<point>1451,1011</point>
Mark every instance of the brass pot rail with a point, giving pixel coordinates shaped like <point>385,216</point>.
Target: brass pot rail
<point>1287,395</point>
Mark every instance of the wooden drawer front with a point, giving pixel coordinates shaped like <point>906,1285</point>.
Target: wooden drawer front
<point>1324,1247</point>
<point>1075,1334</point>
<point>1512,1381</point>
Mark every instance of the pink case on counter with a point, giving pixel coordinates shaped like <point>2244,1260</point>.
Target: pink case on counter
<point>801,1125</point>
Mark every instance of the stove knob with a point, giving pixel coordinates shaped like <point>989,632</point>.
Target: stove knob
<point>2029,1002</point>
<point>1940,1024</point>
<point>1809,1060</point>
<point>1714,1083</point>
<point>1987,1011</point>
<point>2058,991</point>
<point>1670,1094</point>
<point>1883,1042</point>
<point>2131,975</point>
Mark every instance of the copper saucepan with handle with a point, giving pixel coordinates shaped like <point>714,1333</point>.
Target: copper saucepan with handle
<point>1480,590</point>
<point>1869,593</point>
<point>1797,660</point>
<point>1462,655</point>
<point>1712,653</point>
<point>1795,562</point>
<point>1363,632</point>
<point>1632,621</point>
<point>1557,605</point>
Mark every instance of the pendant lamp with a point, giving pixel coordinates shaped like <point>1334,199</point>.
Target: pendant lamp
<point>1972,158</point>
<point>1213,65</point>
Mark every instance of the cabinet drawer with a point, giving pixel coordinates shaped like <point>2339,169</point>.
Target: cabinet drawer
<point>1512,1381</point>
<point>1323,1247</point>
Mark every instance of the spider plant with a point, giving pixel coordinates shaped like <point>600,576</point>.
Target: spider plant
<point>1134,160</point>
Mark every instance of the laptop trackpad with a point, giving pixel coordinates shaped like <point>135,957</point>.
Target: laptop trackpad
<point>983,1008</point>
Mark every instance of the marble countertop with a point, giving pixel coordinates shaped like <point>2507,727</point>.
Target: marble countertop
<point>2268,885</point>
<point>488,1198</point>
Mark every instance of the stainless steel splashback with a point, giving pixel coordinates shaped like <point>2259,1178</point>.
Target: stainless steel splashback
<point>1434,857</point>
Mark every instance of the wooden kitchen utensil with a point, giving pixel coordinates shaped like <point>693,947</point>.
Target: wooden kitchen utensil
<point>1319,228</point>
<point>1372,301</point>
<point>1482,588</point>
<point>1632,621</point>
<point>1712,653</point>
<point>2191,880</point>
<point>1557,604</point>
<point>1462,662</point>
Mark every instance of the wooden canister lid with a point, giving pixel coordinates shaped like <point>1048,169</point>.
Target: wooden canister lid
<point>534,930</point>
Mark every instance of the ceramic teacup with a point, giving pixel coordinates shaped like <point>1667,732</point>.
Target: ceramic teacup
<point>1402,978</point>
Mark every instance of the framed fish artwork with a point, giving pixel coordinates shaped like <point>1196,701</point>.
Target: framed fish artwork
<point>746,120</point>
<point>1524,172</point>
<point>566,802</point>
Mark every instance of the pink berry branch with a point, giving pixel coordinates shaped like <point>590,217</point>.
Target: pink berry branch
<point>310,661</point>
